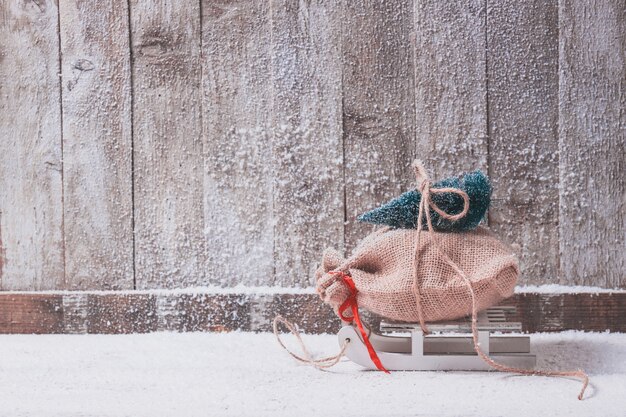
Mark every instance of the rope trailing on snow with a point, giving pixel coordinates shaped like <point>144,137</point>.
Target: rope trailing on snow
<point>322,363</point>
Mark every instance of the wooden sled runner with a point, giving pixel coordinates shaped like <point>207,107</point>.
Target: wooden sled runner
<point>449,347</point>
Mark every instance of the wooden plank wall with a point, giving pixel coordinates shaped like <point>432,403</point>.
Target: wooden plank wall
<point>176,144</point>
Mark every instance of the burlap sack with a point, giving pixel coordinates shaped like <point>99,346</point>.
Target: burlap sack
<point>383,269</point>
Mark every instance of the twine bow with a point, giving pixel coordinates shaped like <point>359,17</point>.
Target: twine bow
<point>425,188</point>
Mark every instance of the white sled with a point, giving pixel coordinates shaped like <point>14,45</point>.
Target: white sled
<point>449,347</point>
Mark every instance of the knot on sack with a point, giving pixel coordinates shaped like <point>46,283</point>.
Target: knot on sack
<point>351,300</point>
<point>352,304</point>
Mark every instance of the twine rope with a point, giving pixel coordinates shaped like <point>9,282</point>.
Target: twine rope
<point>321,363</point>
<point>426,203</point>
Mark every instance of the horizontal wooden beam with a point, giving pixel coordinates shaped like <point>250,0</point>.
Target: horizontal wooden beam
<point>141,312</point>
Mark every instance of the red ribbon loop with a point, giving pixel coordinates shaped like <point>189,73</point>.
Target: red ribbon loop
<point>351,302</point>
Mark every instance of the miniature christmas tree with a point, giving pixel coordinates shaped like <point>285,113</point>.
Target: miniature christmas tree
<point>402,212</point>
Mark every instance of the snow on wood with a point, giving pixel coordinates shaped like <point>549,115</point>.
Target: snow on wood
<point>592,142</point>
<point>168,156</point>
<point>238,184</point>
<point>97,146</point>
<point>307,141</point>
<point>548,309</point>
<point>565,289</point>
<point>211,289</point>
<point>378,107</point>
<point>31,189</point>
<point>451,86</point>
<point>265,290</point>
<point>522,73</point>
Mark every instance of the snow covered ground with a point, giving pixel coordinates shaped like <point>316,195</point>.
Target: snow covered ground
<point>246,374</point>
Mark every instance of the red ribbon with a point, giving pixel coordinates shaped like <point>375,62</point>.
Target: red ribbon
<point>352,303</point>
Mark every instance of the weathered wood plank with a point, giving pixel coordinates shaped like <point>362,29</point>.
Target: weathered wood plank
<point>522,69</point>
<point>558,312</point>
<point>450,86</point>
<point>378,106</point>
<point>31,194</point>
<point>169,247</point>
<point>123,313</point>
<point>97,145</point>
<point>140,312</point>
<point>203,312</point>
<point>32,313</point>
<point>75,312</point>
<point>306,310</point>
<point>236,103</point>
<point>592,142</point>
<point>307,136</point>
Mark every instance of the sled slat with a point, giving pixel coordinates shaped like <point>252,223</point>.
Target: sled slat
<point>452,327</point>
<point>491,319</point>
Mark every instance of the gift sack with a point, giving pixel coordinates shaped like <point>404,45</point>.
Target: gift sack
<point>383,269</point>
